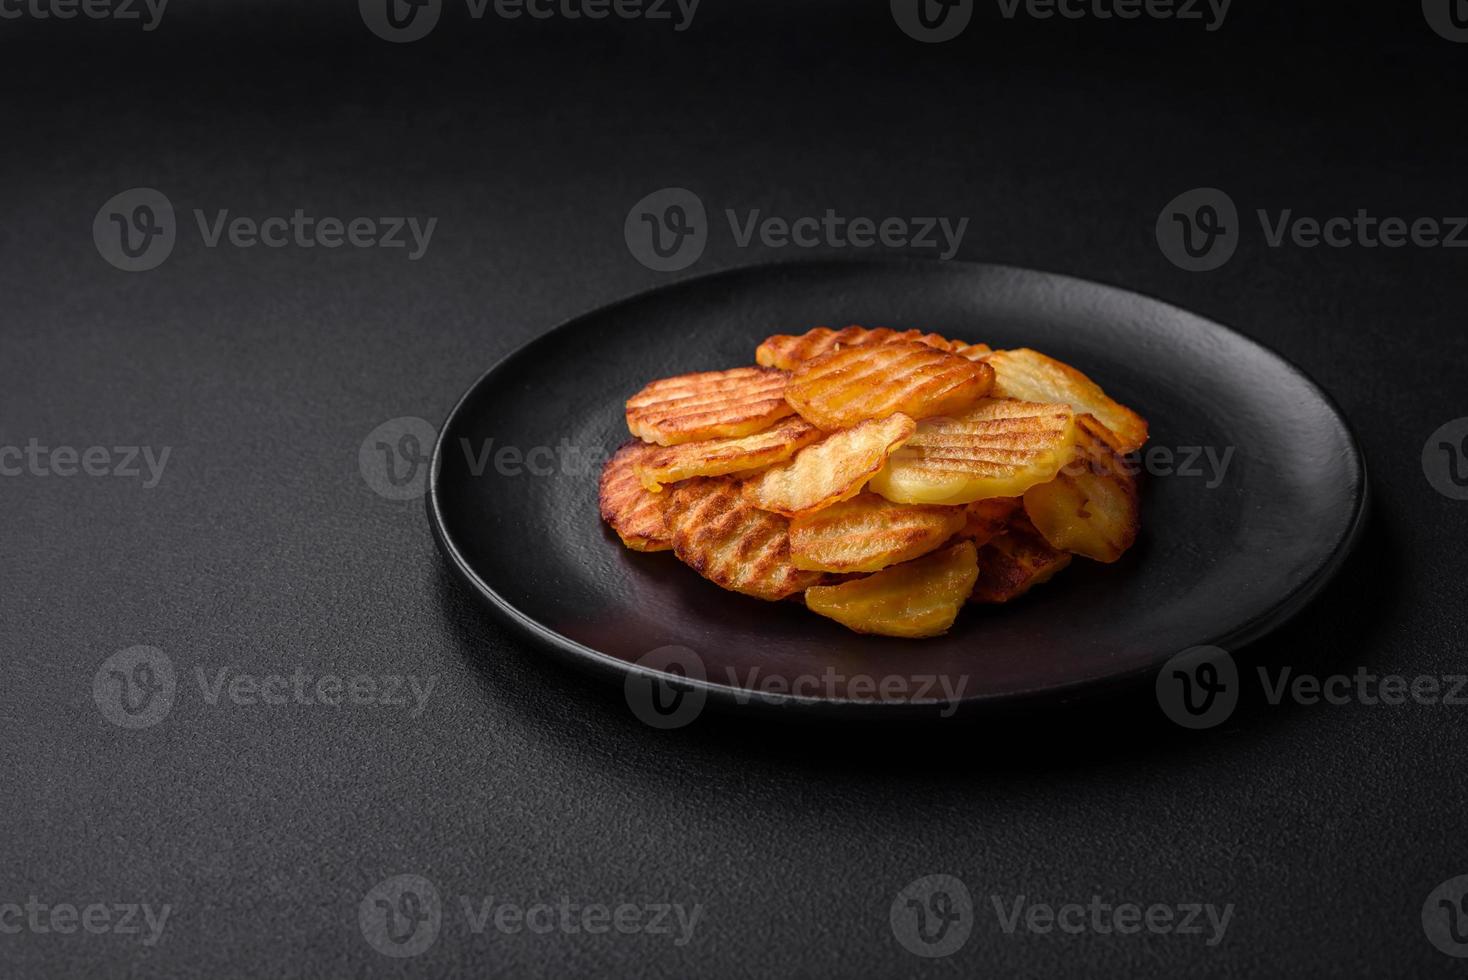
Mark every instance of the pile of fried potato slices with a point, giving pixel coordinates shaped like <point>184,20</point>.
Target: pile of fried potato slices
<point>886,477</point>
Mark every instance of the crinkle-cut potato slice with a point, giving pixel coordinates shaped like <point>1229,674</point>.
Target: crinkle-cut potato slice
<point>737,547</point>
<point>843,387</point>
<point>868,533</point>
<point>915,599</point>
<point>1091,508</point>
<point>984,519</point>
<point>708,405</point>
<point>788,352</point>
<point>718,457</point>
<point>971,351</point>
<point>1015,562</point>
<point>998,448</point>
<point>635,514</point>
<point>1031,376</point>
<point>831,470</point>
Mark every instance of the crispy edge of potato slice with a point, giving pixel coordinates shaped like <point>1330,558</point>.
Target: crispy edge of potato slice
<point>731,544</point>
<point>829,471</point>
<point>867,533</point>
<point>883,602</point>
<point>843,387</point>
<point>708,405</point>
<point>627,506</point>
<point>1092,508</point>
<point>745,456</point>
<point>1028,375</point>
<point>929,470</point>
<point>1015,562</point>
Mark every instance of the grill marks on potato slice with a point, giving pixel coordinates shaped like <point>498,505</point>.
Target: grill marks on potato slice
<point>844,387</point>
<point>831,470</point>
<point>868,533</point>
<point>1029,375</point>
<point>634,513</point>
<point>718,457</point>
<point>788,352</point>
<point>999,448</point>
<point>708,405</point>
<point>732,544</point>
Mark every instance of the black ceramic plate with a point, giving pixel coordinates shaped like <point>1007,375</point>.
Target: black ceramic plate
<point>1227,552</point>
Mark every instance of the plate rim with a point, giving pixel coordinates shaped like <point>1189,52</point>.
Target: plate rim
<point>1242,636</point>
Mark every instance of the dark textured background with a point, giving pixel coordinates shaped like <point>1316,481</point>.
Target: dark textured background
<point>264,549</point>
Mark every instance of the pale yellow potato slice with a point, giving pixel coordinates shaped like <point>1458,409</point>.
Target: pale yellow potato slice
<point>997,449</point>
<point>1031,376</point>
<point>915,599</point>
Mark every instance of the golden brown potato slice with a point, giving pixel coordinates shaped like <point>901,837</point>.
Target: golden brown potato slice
<point>717,457</point>
<point>1015,562</point>
<point>1031,376</point>
<point>984,519</point>
<point>788,352</point>
<point>915,599</point>
<point>1091,508</point>
<point>708,405</point>
<point>830,471</point>
<point>635,514</point>
<point>844,387</point>
<point>735,546</point>
<point>998,448</point>
<point>868,533</point>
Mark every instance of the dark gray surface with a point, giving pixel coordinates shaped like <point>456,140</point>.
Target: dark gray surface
<point>263,549</point>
